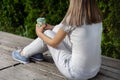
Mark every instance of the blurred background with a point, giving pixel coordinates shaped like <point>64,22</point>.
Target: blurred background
<point>19,17</point>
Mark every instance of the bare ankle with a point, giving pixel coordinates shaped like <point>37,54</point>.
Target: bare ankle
<point>22,53</point>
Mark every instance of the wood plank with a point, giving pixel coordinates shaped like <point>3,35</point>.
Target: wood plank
<point>102,77</point>
<point>6,60</point>
<point>24,72</point>
<point>111,62</point>
<point>13,41</point>
<point>46,67</point>
<point>110,72</point>
<point>113,70</point>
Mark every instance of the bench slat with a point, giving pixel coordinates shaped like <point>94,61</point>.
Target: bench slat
<point>111,62</point>
<point>110,72</point>
<point>5,60</point>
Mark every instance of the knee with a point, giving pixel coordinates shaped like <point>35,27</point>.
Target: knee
<point>49,33</point>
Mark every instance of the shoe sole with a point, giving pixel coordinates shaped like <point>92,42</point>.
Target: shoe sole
<point>34,59</point>
<point>20,60</point>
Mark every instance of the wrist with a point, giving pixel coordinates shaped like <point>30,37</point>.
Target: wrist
<point>40,34</point>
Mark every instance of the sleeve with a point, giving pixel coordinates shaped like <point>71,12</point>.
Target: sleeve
<point>67,28</point>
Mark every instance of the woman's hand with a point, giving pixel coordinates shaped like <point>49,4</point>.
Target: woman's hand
<point>48,27</point>
<point>40,29</point>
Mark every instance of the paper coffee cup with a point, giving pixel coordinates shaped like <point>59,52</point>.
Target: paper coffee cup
<point>41,21</point>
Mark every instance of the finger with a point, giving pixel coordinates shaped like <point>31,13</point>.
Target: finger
<point>44,26</point>
<point>37,25</point>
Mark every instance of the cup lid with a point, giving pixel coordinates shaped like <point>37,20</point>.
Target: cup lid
<point>40,19</point>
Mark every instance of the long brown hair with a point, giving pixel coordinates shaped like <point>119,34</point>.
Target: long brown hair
<point>81,11</point>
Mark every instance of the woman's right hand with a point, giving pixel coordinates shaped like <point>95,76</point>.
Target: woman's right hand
<point>48,27</point>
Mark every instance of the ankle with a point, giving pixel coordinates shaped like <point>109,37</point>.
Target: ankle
<point>22,53</point>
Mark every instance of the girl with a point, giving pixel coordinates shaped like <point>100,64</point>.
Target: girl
<point>75,43</point>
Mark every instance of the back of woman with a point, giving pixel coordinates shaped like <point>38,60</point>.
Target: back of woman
<point>86,48</point>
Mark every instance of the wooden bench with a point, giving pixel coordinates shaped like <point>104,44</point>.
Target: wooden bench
<point>45,70</point>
